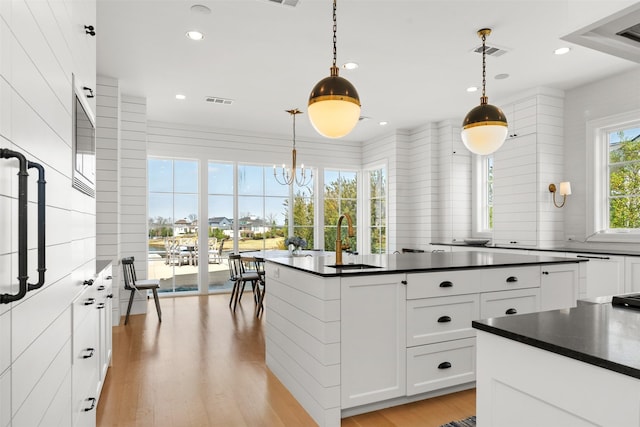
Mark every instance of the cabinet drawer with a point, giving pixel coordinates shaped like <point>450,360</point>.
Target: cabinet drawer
<point>499,279</point>
<point>520,301</point>
<point>443,283</point>
<point>432,320</point>
<point>434,366</point>
<point>84,305</point>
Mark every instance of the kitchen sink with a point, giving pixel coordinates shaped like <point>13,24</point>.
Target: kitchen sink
<point>352,266</point>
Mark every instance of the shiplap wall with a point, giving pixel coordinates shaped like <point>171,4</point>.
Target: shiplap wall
<point>421,198</point>
<point>43,43</point>
<point>133,194</point>
<point>108,179</point>
<point>614,95</point>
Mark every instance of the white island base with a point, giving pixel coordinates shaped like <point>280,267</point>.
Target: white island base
<point>520,385</point>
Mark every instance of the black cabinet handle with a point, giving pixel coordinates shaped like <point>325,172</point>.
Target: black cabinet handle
<point>100,306</point>
<point>404,282</point>
<point>512,279</point>
<point>444,365</point>
<point>93,404</point>
<point>110,296</point>
<point>90,301</point>
<point>545,272</point>
<point>101,288</point>
<point>89,354</point>
<point>446,284</point>
<point>108,278</point>
<point>444,319</point>
<point>511,311</point>
<point>88,282</point>
<point>592,257</point>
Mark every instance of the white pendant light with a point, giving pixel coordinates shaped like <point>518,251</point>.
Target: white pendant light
<point>334,105</point>
<point>484,129</point>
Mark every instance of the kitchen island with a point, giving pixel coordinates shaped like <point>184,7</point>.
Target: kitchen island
<point>392,329</point>
<point>571,367</point>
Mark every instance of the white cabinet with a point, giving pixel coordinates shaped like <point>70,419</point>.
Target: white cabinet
<point>5,398</point>
<point>431,320</point>
<point>507,303</point>
<point>515,219</point>
<point>521,117</point>
<point>632,274</point>
<point>604,274</point>
<point>104,304</point>
<point>559,287</point>
<point>373,345</point>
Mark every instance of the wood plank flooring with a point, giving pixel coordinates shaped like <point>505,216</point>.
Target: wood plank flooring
<point>204,366</point>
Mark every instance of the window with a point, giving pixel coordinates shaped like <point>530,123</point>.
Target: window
<point>615,178</point>
<point>483,196</point>
<point>303,213</point>
<point>340,197</point>
<point>378,211</point>
<point>173,223</point>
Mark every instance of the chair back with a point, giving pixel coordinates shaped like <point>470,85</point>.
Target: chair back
<point>221,246</point>
<point>235,267</point>
<point>129,271</point>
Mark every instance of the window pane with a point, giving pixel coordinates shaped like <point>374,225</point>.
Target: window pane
<point>624,145</point>
<point>273,187</point>
<point>624,212</point>
<point>220,179</point>
<point>185,176</point>
<point>250,180</point>
<point>160,174</point>
<point>340,190</point>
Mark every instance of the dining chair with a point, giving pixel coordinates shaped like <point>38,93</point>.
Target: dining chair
<point>241,275</point>
<point>259,267</point>
<point>131,283</point>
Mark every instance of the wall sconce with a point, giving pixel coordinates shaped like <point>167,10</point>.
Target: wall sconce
<point>565,190</point>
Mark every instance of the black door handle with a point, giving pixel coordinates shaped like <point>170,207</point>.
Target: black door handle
<point>444,365</point>
<point>89,354</point>
<point>88,282</point>
<point>404,282</point>
<point>511,311</point>
<point>512,279</point>
<point>93,404</point>
<point>444,319</point>
<point>90,301</point>
<point>446,284</point>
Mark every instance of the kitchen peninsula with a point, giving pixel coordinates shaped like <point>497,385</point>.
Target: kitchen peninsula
<point>392,329</point>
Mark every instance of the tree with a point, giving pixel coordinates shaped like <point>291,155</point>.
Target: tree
<point>624,183</point>
<point>340,197</point>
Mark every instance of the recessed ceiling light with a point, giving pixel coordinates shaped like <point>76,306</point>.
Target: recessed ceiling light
<point>180,96</point>
<point>501,76</point>
<point>199,8</point>
<point>472,89</point>
<point>350,65</point>
<point>195,35</point>
<point>383,123</point>
<point>562,50</point>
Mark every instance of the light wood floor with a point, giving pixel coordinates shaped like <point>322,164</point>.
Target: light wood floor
<point>204,366</point>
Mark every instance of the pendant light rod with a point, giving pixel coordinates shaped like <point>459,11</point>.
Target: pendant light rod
<point>483,33</point>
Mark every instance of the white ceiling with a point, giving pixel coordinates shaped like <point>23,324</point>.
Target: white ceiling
<point>415,57</point>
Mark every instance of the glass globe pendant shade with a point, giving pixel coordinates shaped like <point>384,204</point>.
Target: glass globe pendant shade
<point>484,129</point>
<point>334,106</point>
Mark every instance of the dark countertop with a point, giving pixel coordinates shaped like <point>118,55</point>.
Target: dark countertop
<point>599,251</point>
<point>414,262</point>
<point>599,334</point>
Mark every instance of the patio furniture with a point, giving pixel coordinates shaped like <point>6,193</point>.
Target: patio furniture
<point>215,254</point>
<point>131,283</point>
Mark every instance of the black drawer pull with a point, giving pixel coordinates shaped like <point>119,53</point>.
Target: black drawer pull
<point>444,365</point>
<point>108,278</point>
<point>90,301</point>
<point>512,279</point>
<point>101,288</point>
<point>511,311</point>
<point>545,272</point>
<point>446,284</point>
<point>93,404</point>
<point>110,296</point>
<point>88,282</point>
<point>100,306</point>
<point>404,282</point>
<point>444,319</point>
<point>89,354</point>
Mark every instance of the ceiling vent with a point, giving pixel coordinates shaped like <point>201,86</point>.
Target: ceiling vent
<point>220,101</point>
<point>491,50</point>
<point>292,3</point>
<point>618,34</point>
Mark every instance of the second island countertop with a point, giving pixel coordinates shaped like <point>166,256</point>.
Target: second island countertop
<point>413,262</point>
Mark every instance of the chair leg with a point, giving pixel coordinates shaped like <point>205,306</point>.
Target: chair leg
<point>234,290</point>
<point>260,307</point>
<point>126,319</point>
<point>155,297</point>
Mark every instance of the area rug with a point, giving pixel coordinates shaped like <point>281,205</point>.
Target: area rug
<point>467,422</point>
